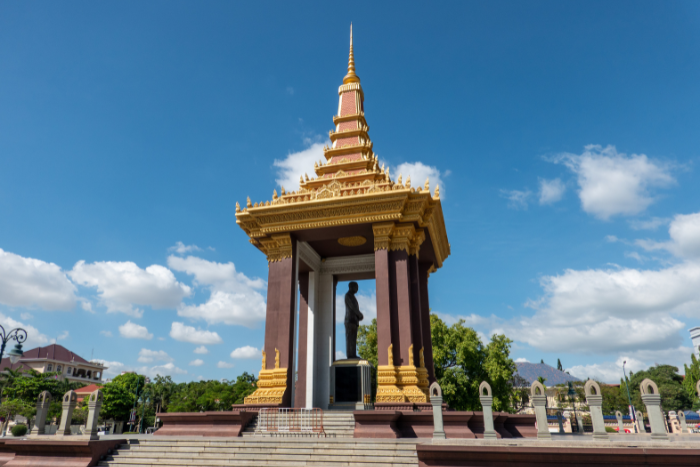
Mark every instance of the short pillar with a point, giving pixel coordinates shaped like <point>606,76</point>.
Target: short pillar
<point>94,406</point>
<point>652,401</point>
<point>486,398</point>
<point>560,421</point>
<point>594,399</point>
<point>539,401</point>
<point>436,400</point>
<point>681,420</point>
<point>620,422</point>
<point>42,409</point>
<point>70,399</point>
<point>639,416</point>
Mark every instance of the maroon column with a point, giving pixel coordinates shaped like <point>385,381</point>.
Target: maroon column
<point>383,286</point>
<point>423,269</point>
<point>302,346</point>
<point>416,322</point>
<point>401,306</point>
<point>279,320</point>
<point>335,287</point>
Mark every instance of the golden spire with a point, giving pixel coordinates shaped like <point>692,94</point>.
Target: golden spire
<point>351,77</point>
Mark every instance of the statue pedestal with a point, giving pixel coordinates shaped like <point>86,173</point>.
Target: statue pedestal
<point>351,385</point>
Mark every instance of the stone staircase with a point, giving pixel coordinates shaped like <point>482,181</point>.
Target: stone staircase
<point>335,424</point>
<point>264,451</point>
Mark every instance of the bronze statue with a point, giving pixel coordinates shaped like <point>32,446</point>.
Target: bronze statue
<point>352,320</point>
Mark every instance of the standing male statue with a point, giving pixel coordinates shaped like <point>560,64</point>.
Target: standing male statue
<point>352,320</point>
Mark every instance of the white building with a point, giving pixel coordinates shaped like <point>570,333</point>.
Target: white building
<point>56,358</point>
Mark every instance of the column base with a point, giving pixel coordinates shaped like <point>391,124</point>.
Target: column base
<point>271,387</point>
<point>387,389</point>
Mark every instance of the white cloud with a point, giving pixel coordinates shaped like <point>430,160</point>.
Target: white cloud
<point>419,172</point>
<point>235,299</point>
<point>106,333</point>
<point>246,352</point>
<point>148,356</point>
<point>87,306</point>
<point>169,369</point>
<point>517,199</point>
<point>197,362</point>
<point>34,337</point>
<point>551,191</point>
<point>340,355</point>
<point>181,248</point>
<point>201,350</point>
<point>116,368</point>
<point>611,371</point>
<point>367,303</point>
<point>183,333</point>
<point>612,183</point>
<point>121,285</point>
<point>471,321</point>
<point>30,282</point>
<point>224,365</point>
<point>648,224</point>
<point>290,168</point>
<point>63,336</point>
<point>522,360</point>
<point>26,316</point>
<point>134,331</point>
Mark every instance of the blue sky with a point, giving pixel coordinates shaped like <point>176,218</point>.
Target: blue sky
<point>564,136</point>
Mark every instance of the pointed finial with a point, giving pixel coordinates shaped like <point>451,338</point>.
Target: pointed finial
<point>283,192</point>
<point>427,184</point>
<point>274,194</point>
<point>248,204</point>
<point>351,77</point>
<point>408,182</point>
<point>437,192</point>
<point>238,207</point>
<point>301,179</point>
<point>399,180</point>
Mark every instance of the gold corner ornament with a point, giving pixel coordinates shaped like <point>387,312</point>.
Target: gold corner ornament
<point>271,384</point>
<point>402,383</point>
<point>357,240</point>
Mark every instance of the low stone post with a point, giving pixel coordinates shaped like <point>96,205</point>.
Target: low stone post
<point>70,399</point>
<point>684,424</point>
<point>486,398</point>
<point>436,400</point>
<point>42,409</point>
<point>539,401</point>
<point>560,420</point>
<point>641,428</point>
<point>652,401</point>
<point>594,399</point>
<point>94,406</point>
<point>620,422</point>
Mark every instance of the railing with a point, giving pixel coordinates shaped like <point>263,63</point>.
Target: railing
<point>290,422</point>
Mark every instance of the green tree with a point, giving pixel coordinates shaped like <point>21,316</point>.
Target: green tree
<point>461,363</point>
<point>673,395</point>
<point>559,366</point>
<point>12,407</point>
<point>614,398</point>
<point>692,375</point>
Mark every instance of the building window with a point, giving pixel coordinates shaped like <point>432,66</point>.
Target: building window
<point>59,368</point>
<point>50,367</point>
<point>69,371</point>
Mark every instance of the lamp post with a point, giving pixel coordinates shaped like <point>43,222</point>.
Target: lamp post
<point>629,399</point>
<point>17,334</point>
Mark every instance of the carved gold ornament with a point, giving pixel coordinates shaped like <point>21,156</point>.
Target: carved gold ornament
<point>352,241</point>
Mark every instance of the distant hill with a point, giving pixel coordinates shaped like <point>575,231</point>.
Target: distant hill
<point>531,371</point>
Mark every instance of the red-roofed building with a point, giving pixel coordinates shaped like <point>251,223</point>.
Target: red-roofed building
<point>86,391</point>
<point>56,358</point>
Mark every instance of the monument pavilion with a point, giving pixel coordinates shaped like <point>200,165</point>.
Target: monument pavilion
<point>351,221</point>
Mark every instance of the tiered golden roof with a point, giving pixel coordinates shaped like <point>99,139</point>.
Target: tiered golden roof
<point>350,187</point>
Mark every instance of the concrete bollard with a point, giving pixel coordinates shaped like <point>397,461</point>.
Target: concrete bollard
<point>486,398</point>
<point>641,428</point>
<point>684,424</point>
<point>70,399</point>
<point>436,400</point>
<point>620,422</point>
<point>594,399</point>
<point>652,401</point>
<point>42,409</point>
<point>560,420</point>
<point>94,406</point>
<point>539,401</point>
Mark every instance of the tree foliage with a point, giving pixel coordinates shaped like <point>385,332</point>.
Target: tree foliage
<point>461,362</point>
<point>692,375</point>
<point>673,395</point>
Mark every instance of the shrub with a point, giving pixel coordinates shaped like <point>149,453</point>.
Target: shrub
<point>131,433</point>
<point>19,430</point>
<point>610,429</point>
